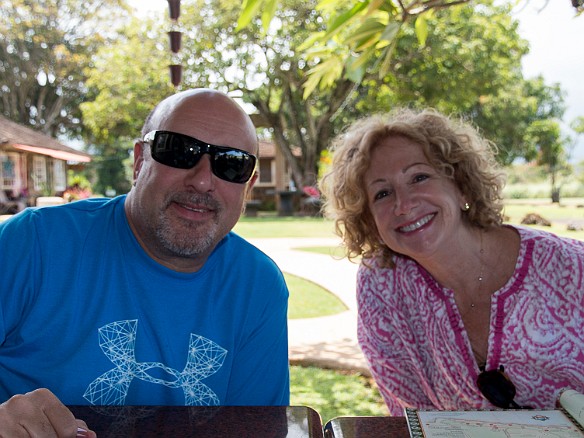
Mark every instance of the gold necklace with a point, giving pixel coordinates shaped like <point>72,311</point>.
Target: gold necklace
<point>480,277</point>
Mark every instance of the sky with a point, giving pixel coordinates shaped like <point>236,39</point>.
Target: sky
<point>555,36</point>
<point>556,52</point>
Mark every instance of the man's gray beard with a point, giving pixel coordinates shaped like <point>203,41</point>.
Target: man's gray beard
<point>182,243</point>
<point>187,240</point>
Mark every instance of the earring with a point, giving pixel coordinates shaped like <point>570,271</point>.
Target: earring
<point>466,207</point>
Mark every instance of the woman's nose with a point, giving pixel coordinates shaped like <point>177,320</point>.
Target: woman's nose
<point>404,202</point>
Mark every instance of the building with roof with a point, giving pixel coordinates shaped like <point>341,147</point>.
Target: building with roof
<point>32,164</point>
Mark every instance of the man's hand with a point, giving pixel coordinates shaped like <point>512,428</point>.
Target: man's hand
<point>39,414</point>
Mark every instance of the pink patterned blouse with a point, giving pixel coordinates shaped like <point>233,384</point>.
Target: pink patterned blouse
<point>414,340</point>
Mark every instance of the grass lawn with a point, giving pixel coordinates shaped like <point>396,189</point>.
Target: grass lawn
<point>570,210</point>
<point>285,226</point>
<point>560,215</point>
<point>309,300</point>
<point>333,393</point>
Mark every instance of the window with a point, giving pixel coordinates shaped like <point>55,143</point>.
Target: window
<point>59,176</point>
<point>266,171</point>
<point>9,175</point>
<point>39,173</point>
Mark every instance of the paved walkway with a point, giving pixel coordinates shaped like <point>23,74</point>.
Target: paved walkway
<point>330,341</point>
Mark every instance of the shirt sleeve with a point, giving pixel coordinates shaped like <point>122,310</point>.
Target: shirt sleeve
<point>384,341</point>
<point>19,258</point>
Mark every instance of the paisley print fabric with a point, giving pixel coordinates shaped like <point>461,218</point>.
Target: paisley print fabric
<point>414,339</point>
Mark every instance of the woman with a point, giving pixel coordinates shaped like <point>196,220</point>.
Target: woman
<point>450,298</point>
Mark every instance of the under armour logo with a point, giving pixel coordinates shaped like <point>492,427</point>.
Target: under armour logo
<point>118,340</point>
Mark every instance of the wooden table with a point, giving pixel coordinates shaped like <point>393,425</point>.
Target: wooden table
<point>201,422</point>
<point>367,427</point>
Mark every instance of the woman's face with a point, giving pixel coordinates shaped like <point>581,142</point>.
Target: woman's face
<point>417,210</point>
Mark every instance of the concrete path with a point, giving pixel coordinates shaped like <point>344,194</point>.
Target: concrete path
<point>330,341</point>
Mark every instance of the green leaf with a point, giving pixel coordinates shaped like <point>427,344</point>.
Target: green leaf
<point>366,35</point>
<point>323,74</point>
<point>391,31</point>
<point>269,12</point>
<point>311,84</point>
<point>310,41</point>
<point>386,63</point>
<point>361,60</point>
<point>421,28</point>
<point>338,21</point>
<point>249,9</point>
<point>355,72</point>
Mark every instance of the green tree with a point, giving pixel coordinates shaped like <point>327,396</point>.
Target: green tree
<point>266,71</point>
<point>358,31</point>
<point>472,55</point>
<point>470,66</point>
<point>547,138</point>
<point>124,83</point>
<point>45,46</point>
<point>507,117</point>
<point>357,36</point>
<point>577,125</point>
<point>469,62</point>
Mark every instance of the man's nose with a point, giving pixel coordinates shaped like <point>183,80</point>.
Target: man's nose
<point>201,176</point>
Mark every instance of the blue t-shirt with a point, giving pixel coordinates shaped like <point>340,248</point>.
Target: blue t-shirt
<point>86,313</point>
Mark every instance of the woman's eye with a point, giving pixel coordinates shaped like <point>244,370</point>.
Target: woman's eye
<point>381,194</point>
<point>420,178</point>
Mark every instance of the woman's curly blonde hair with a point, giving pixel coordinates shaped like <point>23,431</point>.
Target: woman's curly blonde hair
<point>453,147</point>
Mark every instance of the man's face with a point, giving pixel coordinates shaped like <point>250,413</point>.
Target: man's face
<point>182,214</point>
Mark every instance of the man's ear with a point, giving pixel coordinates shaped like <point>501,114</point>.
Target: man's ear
<point>138,158</point>
<point>251,183</point>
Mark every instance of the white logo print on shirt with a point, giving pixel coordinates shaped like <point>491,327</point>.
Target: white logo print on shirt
<point>118,341</point>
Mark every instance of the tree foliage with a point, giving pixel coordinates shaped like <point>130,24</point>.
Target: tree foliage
<point>358,37</point>
<point>358,31</point>
<point>45,46</point>
<point>267,71</point>
<point>578,125</point>
<point>469,64</point>
<point>546,135</point>
<point>127,79</point>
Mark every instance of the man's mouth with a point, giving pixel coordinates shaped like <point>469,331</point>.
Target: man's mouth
<point>196,209</point>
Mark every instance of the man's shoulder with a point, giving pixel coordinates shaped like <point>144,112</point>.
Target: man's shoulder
<point>77,214</point>
<point>247,253</point>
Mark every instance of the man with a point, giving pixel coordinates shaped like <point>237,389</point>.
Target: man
<point>147,298</point>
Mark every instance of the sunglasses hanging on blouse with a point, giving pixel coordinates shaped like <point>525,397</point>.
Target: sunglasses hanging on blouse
<point>496,386</point>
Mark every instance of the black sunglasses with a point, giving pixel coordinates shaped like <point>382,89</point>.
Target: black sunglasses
<point>184,152</point>
<point>498,388</point>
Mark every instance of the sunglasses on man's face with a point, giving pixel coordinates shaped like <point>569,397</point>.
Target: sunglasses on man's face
<point>183,152</point>
<point>496,386</point>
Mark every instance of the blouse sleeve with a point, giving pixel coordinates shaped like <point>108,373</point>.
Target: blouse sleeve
<point>387,342</point>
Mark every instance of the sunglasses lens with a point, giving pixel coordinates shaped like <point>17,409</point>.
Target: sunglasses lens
<point>183,152</point>
<point>233,165</point>
<point>172,150</point>
<point>497,388</point>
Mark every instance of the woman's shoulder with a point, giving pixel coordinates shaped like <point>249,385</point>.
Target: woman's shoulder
<point>549,241</point>
<point>404,270</point>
